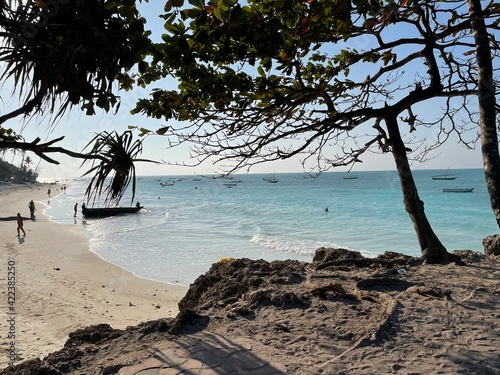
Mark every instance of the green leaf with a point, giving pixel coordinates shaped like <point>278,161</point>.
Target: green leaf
<point>197,3</point>
<point>228,3</point>
<point>192,13</point>
<point>218,14</point>
<point>163,130</point>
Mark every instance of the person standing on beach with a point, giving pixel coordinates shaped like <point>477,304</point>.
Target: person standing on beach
<point>48,192</point>
<point>20,225</point>
<point>76,209</point>
<point>32,208</point>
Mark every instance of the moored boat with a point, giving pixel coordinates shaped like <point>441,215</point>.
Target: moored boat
<point>271,179</point>
<point>109,211</point>
<point>445,176</point>
<point>466,190</point>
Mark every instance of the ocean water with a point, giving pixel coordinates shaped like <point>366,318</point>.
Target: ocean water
<point>193,221</point>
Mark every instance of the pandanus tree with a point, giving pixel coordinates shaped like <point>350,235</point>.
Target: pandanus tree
<point>268,80</point>
<point>61,54</point>
<point>119,155</point>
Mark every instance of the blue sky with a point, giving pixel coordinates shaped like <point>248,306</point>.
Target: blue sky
<point>79,129</point>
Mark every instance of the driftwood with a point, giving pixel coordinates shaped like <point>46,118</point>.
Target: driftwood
<point>13,218</point>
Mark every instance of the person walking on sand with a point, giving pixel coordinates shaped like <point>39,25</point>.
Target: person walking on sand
<point>20,225</point>
<point>48,192</point>
<point>32,208</point>
<point>76,209</point>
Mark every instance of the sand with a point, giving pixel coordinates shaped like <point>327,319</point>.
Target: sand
<point>60,285</point>
<point>340,314</point>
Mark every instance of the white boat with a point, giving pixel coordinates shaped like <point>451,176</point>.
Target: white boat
<point>465,190</point>
<point>271,179</point>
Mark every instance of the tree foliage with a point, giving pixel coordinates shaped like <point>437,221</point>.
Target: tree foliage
<point>72,52</point>
<point>270,80</point>
<point>23,174</point>
<point>59,54</point>
<point>119,153</point>
<point>252,76</point>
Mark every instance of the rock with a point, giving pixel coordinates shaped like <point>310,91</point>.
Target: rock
<point>492,245</point>
<point>226,282</point>
<point>324,254</point>
<point>93,334</point>
<point>469,256</point>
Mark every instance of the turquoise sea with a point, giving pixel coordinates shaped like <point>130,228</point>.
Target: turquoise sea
<point>192,221</point>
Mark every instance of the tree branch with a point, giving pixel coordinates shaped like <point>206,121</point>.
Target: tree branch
<point>46,148</point>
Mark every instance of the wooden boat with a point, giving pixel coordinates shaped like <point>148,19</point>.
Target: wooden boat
<point>445,176</point>
<point>109,211</point>
<point>350,177</point>
<point>466,190</point>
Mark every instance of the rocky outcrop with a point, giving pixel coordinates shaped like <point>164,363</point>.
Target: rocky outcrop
<point>492,245</point>
<point>312,316</point>
<point>227,281</point>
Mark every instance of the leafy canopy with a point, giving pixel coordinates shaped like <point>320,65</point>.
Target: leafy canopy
<point>65,53</point>
<point>268,79</point>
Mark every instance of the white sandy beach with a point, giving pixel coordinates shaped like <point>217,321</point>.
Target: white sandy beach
<point>60,285</point>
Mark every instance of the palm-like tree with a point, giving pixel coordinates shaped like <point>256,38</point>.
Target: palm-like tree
<point>117,155</point>
<point>73,53</point>
<point>62,55</point>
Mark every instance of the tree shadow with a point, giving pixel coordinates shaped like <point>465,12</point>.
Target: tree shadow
<point>212,351</point>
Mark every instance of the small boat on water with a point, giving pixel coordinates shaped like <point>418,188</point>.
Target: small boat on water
<point>109,211</point>
<point>466,190</point>
<point>445,176</point>
<point>271,179</point>
<point>167,184</point>
<point>350,177</point>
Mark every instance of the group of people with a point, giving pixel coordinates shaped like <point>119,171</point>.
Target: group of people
<point>19,218</point>
<point>32,208</point>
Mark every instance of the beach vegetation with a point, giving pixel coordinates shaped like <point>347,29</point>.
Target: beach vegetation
<point>267,80</point>
<point>11,173</point>
<point>113,173</point>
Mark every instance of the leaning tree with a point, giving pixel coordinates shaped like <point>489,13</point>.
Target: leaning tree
<point>60,54</point>
<point>484,37</point>
<point>274,79</point>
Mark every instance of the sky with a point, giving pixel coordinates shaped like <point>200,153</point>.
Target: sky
<point>79,129</point>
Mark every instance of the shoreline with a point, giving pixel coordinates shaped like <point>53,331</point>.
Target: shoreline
<point>56,285</point>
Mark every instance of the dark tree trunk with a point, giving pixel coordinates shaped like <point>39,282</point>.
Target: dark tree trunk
<point>487,112</point>
<point>433,250</point>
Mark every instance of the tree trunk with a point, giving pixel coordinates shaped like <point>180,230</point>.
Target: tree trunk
<point>487,112</point>
<point>433,250</point>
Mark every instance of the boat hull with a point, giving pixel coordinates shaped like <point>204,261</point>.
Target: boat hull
<point>110,211</point>
<point>468,190</point>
